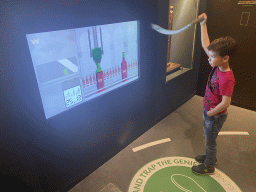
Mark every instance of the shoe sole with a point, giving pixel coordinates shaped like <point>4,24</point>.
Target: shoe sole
<point>203,173</point>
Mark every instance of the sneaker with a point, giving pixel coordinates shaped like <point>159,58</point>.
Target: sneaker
<point>201,159</point>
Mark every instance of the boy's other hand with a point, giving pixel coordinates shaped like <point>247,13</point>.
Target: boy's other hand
<point>203,16</point>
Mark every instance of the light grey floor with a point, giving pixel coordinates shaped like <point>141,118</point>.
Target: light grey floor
<point>235,153</point>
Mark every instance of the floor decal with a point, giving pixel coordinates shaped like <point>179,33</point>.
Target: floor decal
<point>175,174</point>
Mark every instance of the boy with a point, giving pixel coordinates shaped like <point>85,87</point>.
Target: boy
<point>218,94</point>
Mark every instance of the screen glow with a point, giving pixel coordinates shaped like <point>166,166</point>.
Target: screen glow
<point>76,65</point>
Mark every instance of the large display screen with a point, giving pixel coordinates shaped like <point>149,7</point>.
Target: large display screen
<point>76,65</point>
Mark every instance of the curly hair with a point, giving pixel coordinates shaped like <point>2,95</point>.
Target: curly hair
<point>224,46</point>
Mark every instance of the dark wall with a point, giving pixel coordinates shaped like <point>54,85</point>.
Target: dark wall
<point>225,19</point>
<point>57,153</point>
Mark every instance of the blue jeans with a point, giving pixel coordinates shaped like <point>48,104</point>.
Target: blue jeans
<point>212,127</point>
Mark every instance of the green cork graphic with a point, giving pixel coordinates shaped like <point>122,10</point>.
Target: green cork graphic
<point>97,55</point>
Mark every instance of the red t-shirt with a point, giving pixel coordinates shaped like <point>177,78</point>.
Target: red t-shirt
<point>222,83</point>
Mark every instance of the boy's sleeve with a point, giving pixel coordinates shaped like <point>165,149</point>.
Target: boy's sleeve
<point>227,87</point>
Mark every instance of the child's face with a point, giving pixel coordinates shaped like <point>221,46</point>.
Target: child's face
<point>216,60</point>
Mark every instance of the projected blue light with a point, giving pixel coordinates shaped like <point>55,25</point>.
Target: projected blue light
<point>76,65</point>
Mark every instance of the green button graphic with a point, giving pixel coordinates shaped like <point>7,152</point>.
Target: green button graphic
<point>65,71</point>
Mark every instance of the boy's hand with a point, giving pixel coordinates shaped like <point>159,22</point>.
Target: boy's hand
<point>209,113</point>
<point>205,18</point>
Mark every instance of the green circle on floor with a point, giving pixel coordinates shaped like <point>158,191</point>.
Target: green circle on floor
<point>175,174</point>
